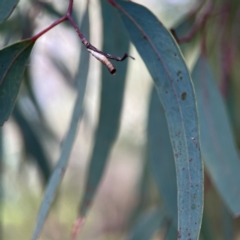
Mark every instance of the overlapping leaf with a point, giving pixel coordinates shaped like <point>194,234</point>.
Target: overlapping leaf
<point>61,165</point>
<point>1,183</point>
<point>161,155</point>
<point>32,144</point>
<point>169,72</point>
<point>148,225</point>
<point>218,147</point>
<point>13,60</point>
<point>6,8</point>
<point>115,42</point>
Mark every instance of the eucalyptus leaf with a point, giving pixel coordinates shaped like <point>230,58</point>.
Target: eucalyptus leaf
<point>6,8</point>
<point>161,155</point>
<point>67,144</point>
<point>115,42</point>
<point>33,145</point>
<point>218,147</point>
<point>148,225</point>
<point>1,183</point>
<point>13,60</point>
<point>174,86</point>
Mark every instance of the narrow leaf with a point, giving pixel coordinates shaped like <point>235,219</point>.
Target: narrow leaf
<point>115,42</point>
<point>13,60</point>
<point>169,72</point>
<point>33,145</point>
<point>6,8</point>
<point>148,225</point>
<point>1,183</point>
<point>61,165</point>
<point>218,147</point>
<point>227,224</point>
<point>161,155</point>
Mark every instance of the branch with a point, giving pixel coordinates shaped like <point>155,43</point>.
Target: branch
<point>99,55</point>
<point>200,23</point>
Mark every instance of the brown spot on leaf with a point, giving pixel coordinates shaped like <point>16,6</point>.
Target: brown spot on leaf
<point>184,95</point>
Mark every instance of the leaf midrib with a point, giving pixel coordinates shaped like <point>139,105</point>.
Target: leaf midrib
<point>12,62</point>
<point>170,79</point>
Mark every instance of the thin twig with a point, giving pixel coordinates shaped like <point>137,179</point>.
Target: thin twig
<point>60,20</point>
<point>70,7</point>
<point>200,23</point>
<point>99,55</point>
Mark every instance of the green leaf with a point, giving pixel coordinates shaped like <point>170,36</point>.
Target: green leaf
<point>6,8</point>
<point>50,9</point>
<point>32,144</point>
<point>169,72</point>
<point>148,225</point>
<point>1,183</point>
<point>61,165</point>
<point>218,147</point>
<point>161,155</point>
<point>207,228</point>
<point>13,60</point>
<point>115,42</point>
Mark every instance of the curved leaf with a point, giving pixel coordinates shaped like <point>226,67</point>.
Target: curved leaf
<point>61,165</point>
<point>169,72</point>
<point>32,145</point>
<point>218,147</point>
<point>1,183</point>
<point>148,225</point>
<point>6,8</point>
<point>115,42</point>
<point>13,60</point>
<point>161,155</point>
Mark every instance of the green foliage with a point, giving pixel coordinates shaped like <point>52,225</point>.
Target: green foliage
<point>13,61</point>
<point>189,119</point>
<point>6,8</point>
<point>111,100</point>
<point>218,147</point>
<point>174,86</point>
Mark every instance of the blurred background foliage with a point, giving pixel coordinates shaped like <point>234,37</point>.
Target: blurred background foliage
<point>128,197</point>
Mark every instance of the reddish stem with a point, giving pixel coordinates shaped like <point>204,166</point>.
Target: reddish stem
<point>81,36</point>
<point>112,2</point>
<point>70,7</point>
<point>198,24</point>
<point>60,20</point>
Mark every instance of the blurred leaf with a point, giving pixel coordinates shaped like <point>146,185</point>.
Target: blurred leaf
<point>161,155</point>
<point>13,60</point>
<point>6,8</point>
<point>115,42</point>
<point>31,94</point>
<point>61,165</point>
<point>148,225</point>
<point>207,228</point>
<point>171,232</point>
<point>169,72</point>
<point>63,69</point>
<point>32,144</point>
<point>1,183</point>
<point>227,224</point>
<point>50,9</point>
<point>217,143</point>
<point>182,29</point>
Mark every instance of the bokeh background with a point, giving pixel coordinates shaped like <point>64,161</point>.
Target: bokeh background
<point>41,119</point>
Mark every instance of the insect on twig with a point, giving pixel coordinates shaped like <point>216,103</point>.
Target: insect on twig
<point>103,57</point>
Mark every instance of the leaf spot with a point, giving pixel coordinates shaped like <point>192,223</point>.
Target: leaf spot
<point>184,95</point>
